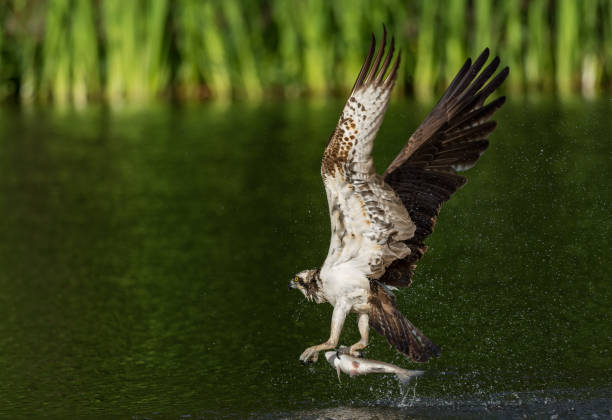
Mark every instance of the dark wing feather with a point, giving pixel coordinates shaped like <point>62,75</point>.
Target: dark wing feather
<point>451,139</point>
<point>400,333</point>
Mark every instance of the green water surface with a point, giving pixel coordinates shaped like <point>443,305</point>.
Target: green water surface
<point>145,256</point>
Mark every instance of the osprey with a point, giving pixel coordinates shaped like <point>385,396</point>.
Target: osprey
<point>379,222</point>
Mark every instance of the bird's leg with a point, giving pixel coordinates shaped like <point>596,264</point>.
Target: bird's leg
<point>341,310</point>
<point>363,323</point>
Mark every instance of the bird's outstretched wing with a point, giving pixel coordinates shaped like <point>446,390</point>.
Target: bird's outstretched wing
<point>450,139</point>
<point>350,145</point>
<point>369,221</point>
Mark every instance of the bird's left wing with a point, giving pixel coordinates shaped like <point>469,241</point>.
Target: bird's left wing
<point>368,220</point>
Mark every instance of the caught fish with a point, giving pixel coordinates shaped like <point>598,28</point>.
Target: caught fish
<point>356,366</point>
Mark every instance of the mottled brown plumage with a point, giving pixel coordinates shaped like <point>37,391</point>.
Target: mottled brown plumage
<point>346,137</point>
<point>379,222</point>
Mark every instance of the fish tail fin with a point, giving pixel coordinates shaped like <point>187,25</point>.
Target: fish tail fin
<point>400,333</point>
<point>404,376</point>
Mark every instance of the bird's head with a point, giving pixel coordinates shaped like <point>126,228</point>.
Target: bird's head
<point>308,282</point>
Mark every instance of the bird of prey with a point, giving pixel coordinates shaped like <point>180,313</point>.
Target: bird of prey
<point>379,222</point>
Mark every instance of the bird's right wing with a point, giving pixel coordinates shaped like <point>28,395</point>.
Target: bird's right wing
<point>451,139</point>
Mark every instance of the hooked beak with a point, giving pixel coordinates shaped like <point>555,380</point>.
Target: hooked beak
<point>291,285</point>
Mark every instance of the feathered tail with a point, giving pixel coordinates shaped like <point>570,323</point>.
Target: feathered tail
<point>400,333</point>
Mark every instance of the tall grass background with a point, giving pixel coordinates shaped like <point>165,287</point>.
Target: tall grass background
<point>79,51</point>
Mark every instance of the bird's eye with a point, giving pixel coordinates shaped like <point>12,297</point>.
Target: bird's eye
<point>296,279</point>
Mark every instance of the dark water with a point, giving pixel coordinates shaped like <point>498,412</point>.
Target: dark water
<point>145,256</point>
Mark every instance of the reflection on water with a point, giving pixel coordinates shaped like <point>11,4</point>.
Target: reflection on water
<point>145,256</point>
<point>550,404</point>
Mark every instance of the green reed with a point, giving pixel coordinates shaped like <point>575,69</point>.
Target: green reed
<point>483,22</point>
<point>242,45</point>
<point>606,50</point>
<point>567,44</point>
<point>189,41</point>
<point>2,18</point>
<point>513,56</point>
<point>454,34</point>
<point>538,59</point>
<point>287,70</point>
<point>312,23</point>
<point>214,54</point>
<point>55,78</point>
<point>425,68</point>
<point>590,70</point>
<point>136,40</point>
<point>349,16</point>
<point>85,57</point>
<point>77,51</point>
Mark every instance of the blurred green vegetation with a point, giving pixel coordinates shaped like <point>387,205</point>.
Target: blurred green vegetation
<point>79,51</point>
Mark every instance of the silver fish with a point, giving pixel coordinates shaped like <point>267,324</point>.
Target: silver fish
<point>356,366</point>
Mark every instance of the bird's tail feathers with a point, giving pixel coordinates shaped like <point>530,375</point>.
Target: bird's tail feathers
<point>400,333</point>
